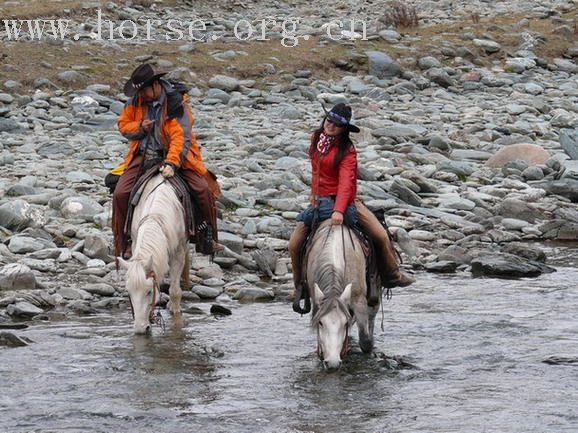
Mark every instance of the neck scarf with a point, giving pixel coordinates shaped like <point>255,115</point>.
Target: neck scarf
<point>325,142</point>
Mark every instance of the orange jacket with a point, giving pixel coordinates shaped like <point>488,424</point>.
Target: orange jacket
<point>174,133</point>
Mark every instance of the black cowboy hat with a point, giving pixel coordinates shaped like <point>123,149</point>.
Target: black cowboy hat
<point>144,75</point>
<point>340,114</point>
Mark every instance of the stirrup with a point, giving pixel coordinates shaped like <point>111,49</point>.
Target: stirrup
<point>299,295</point>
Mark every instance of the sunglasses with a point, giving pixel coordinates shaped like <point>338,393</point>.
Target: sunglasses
<point>333,122</point>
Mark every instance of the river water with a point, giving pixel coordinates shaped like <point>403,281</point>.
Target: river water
<point>470,358</point>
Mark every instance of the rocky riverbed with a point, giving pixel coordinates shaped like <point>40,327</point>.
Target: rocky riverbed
<point>469,148</point>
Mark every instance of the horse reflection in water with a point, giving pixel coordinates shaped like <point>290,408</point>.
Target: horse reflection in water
<point>336,272</point>
<point>159,245</point>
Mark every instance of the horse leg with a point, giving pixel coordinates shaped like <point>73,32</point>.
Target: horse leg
<point>364,325</point>
<point>175,273</point>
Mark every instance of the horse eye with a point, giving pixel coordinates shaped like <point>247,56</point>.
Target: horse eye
<point>320,325</point>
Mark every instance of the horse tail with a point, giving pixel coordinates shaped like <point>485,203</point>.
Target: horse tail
<point>185,275</point>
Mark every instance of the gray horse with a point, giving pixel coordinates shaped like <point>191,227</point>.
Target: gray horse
<point>336,271</point>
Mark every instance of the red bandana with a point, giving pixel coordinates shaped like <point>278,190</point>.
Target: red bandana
<point>325,142</point>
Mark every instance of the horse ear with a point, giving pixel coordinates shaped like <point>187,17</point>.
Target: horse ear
<point>122,263</point>
<point>318,293</point>
<point>346,295</point>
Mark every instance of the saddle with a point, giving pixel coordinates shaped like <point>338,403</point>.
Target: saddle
<point>195,233</point>
<point>372,275</point>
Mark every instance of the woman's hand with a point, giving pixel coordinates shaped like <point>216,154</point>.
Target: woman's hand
<point>336,218</point>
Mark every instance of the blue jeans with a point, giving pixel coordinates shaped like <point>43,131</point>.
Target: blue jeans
<point>326,205</point>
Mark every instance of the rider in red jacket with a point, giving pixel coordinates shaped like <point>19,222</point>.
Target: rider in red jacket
<point>333,194</point>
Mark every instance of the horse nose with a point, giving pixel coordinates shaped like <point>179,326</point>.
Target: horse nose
<point>332,365</point>
<point>142,329</point>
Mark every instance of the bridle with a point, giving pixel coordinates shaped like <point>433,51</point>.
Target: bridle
<point>344,346</point>
<point>154,318</point>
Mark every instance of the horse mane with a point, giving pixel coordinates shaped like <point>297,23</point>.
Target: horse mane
<point>155,230</point>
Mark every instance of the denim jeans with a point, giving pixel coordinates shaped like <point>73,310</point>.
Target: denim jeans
<point>325,206</point>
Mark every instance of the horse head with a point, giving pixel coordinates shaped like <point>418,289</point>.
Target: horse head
<point>332,320</point>
<point>143,292</point>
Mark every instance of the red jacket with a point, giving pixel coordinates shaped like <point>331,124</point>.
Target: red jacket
<point>341,181</point>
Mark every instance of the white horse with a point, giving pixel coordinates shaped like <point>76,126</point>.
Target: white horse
<point>159,245</point>
<point>336,271</point>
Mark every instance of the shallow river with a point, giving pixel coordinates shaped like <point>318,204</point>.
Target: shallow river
<point>473,352</point>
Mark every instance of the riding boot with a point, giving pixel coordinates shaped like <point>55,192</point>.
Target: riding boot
<point>295,247</point>
<point>391,275</point>
<point>296,242</point>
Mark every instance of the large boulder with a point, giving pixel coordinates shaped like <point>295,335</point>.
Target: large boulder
<point>382,66</point>
<point>15,276</point>
<point>531,153</point>
<point>507,266</point>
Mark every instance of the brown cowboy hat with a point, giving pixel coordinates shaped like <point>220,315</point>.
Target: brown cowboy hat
<point>144,75</point>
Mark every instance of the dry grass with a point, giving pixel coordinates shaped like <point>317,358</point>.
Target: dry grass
<point>30,9</point>
<point>400,16</point>
<point>23,60</point>
<point>106,66</point>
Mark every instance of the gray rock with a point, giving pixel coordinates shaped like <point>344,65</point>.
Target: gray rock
<point>519,64</point>
<point>566,65</point>
<point>206,292</point>
<point>442,267</point>
<point>223,82</point>
<point>15,276</point>
<point>530,252</point>
<point>288,112</point>
<point>234,242</point>
<point>79,177</point>
<point>507,266</point>
<point>514,224</point>
<point>565,187</point>
<point>398,131</point>
<point>80,208</point>
<point>390,36</point>
<point>569,142</point>
<point>71,293</point>
<point>437,142</point>
<point>21,244</point>
<point>533,173</point>
<point>459,168</point>
<point>382,66</point>
<point>562,118</point>
<point>428,62</point>
<point>405,194</point>
<point>455,253</point>
<point>518,209</point>
<point>70,77</point>
<point>5,98</point>
<point>7,339</point>
<point>219,94</point>
<point>9,125</point>
<point>440,77</point>
<point>23,309</point>
<point>16,214</point>
<point>97,247</point>
<point>254,294</point>
<point>487,45</point>
<point>287,163</point>
<point>100,289</point>
<point>20,190</point>
<point>457,203</point>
